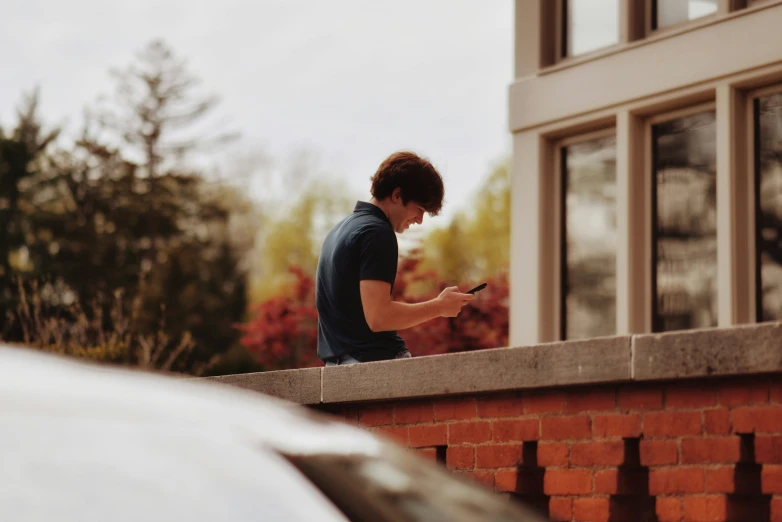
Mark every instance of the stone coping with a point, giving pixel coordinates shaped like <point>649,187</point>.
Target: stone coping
<point>718,352</point>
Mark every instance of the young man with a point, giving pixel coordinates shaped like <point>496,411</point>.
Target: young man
<point>357,318</point>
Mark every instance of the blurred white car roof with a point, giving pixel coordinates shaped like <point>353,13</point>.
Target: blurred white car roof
<point>82,442</point>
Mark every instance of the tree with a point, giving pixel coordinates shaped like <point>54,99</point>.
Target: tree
<point>20,153</point>
<point>282,333</point>
<point>294,237</point>
<point>475,244</point>
<point>120,207</point>
<point>155,102</point>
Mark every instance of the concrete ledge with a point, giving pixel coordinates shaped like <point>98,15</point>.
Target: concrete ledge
<point>743,350</point>
<point>301,386</point>
<point>714,352</point>
<point>499,369</point>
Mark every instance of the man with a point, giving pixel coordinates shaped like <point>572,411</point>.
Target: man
<point>357,317</point>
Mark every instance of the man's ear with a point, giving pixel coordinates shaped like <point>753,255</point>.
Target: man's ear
<point>396,195</point>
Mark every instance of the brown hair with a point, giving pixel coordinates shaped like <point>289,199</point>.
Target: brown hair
<point>419,180</point>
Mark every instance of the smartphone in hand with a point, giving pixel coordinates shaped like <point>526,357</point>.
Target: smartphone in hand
<point>476,289</point>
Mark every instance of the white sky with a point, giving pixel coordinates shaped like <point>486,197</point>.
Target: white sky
<point>349,80</point>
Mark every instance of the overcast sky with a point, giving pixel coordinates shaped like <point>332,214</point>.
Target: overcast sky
<point>350,80</point>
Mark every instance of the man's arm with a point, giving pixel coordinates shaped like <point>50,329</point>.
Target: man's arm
<point>384,314</point>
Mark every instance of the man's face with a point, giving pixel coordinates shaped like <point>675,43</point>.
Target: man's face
<point>402,216</point>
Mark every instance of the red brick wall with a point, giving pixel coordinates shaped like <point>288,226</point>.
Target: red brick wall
<point>682,451</point>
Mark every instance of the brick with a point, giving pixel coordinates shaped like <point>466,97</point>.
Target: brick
<point>350,415</point>
<point>498,456</point>
<point>578,401</point>
<point>567,482</point>
<point>560,509</point>
<point>546,402</point>
<point>705,509</point>
<point>428,435</point>
<point>460,457</point>
<point>604,453</point>
<point>474,432</point>
<point>395,433</point>
<point>672,424</point>
<point>669,509</point>
<point>459,409</point>
<point>768,449</point>
<point>721,479</point>
<point>427,453</point>
<point>757,419</point>
<point>616,425</point>
<point>516,430</point>
<point>658,452</point>
<point>591,509</point>
<point>621,482</point>
<point>776,509</point>
<point>563,428</point>
<point>493,407</point>
<point>519,480</point>
<point>640,399</point>
<point>776,392</point>
<point>676,481</point>
<point>376,416</point>
<point>744,393</point>
<point>717,422</point>
<point>413,413</point>
<point>771,480</point>
<point>710,450</point>
<point>690,396</point>
<point>552,454</point>
<point>485,478</point>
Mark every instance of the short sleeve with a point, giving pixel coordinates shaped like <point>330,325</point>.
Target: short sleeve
<point>378,254</point>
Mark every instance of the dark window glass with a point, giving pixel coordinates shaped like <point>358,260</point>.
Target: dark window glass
<point>590,25</point>
<point>685,223</point>
<point>768,118</point>
<point>674,12</point>
<point>589,239</point>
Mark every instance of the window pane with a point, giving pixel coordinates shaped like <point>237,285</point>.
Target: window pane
<point>769,200</point>
<point>589,268</point>
<point>591,24</point>
<point>672,12</point>
<point>685,223</point>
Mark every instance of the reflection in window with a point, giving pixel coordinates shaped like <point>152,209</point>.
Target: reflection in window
<point>589,246</point>
<point>590,25</point>
<point>672,12</point>
<point>768,114</point>
<point>685,223</point>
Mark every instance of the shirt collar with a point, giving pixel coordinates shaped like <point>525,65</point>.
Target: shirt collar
<point>364,206</point>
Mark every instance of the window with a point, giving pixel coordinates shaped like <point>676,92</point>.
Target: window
<point>684,224</point>
<point>589,25</point>
<point>768,205</point>
<point>589,239</point>
<point>666,13</point>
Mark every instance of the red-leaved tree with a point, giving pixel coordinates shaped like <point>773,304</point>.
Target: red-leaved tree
<point>283,331</point>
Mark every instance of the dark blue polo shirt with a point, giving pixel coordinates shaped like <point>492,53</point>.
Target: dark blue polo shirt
<point>361,246</point>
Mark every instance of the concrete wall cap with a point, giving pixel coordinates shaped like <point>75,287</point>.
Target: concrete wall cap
<point>718,352</point>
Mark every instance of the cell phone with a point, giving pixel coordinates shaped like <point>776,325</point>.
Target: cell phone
<point>476,289</point>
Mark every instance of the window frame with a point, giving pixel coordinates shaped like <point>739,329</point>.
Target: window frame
<point>651,16</point>
<point>650,186</point>
<point>752,217</point>
<point>561,35</point>
<point>560,240</point>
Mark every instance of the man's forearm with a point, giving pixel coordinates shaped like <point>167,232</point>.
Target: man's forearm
<point>399,315</point>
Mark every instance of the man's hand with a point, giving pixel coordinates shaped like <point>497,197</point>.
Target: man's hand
<point>451,301</point>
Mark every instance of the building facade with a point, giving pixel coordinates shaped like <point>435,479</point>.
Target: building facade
<point>647,166</point>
